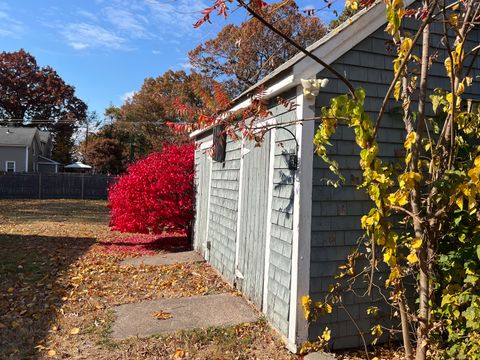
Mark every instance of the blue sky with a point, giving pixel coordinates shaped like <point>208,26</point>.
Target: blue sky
<point>106,48</point>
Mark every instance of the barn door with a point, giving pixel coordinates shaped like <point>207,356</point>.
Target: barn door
<point>253,219</point>
<point>202,196</point>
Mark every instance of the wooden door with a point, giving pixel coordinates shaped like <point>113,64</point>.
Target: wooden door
<point>202,195</point>
<point>253,219</point>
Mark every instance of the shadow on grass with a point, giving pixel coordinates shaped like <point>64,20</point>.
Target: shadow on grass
<point>148,244</point>
<point>32,288</point>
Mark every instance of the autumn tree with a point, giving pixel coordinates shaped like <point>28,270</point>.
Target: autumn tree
<point>243,54</point>
<point>105,155</point>
<point>140,122</point>
<point>423,223</point>
<point>31,95</point>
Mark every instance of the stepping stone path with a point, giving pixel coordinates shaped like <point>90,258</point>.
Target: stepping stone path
<point>186,313</point>
<point>320,356</point>
<point>165,259</point>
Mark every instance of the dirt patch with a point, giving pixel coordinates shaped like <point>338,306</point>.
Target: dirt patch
<point>166,259</point>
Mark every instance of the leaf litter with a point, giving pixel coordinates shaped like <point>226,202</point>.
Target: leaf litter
<point>60,279</point>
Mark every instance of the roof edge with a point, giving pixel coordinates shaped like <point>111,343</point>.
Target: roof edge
<point>348,34</point>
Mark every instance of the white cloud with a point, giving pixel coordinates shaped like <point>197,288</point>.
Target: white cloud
<point>128,96</point>
<point>156,52</point>
<point>127,21</point>
<point>88,15</point>
<point>118,24</point>
<point>9,26</point>
<point>178,17</point>
<point>82,36</point>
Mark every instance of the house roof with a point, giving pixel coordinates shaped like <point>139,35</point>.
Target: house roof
<point>329,48</point>
<point>44,135</point>
<point>17,136</point>
<point>45,160</point>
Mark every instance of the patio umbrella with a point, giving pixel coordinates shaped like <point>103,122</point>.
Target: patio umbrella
<point>78,165</point>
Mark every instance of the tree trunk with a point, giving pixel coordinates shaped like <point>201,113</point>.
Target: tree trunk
<point>420,232</point>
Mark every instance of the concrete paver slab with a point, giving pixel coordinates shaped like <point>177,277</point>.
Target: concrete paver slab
<point>187,313</point>
<point>320,356</point>
<point>165,259</point>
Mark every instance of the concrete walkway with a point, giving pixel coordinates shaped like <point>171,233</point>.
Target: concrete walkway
<point>187,313</point>
<point>320,356</point>
<point>165,259</point>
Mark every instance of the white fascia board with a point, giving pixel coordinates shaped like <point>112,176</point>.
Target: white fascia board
<point>343,40</point>
<point>269,93</point>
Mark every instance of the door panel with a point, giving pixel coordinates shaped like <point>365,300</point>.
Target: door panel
<point>203,193</point>
<point>253,221</point>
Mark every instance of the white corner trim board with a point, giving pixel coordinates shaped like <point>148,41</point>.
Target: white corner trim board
<point>207,226</point>
<point>302,221</point>
<point>237,273</point>
<point>268,231</point>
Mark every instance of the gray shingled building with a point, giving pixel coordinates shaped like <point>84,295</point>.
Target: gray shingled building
<point>26,149</point>
<point>278,234</point>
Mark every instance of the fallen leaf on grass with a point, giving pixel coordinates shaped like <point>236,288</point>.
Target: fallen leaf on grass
<point>179,354</point>
<point>52,353</point>
<point>74,331</point>
<point>162,315</point>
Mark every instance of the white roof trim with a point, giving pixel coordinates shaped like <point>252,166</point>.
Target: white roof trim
<point>329,48</point>
<point>49,161</point>
<point>272,91</point>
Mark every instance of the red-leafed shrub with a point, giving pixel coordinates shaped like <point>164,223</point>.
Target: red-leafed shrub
<point>156,194</point>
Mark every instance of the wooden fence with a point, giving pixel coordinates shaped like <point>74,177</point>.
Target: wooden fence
<point>54,186</point>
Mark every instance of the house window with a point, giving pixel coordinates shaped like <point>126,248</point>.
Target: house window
<point>10,166</point>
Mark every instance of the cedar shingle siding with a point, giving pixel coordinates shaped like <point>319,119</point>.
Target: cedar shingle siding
<point>336,212</point>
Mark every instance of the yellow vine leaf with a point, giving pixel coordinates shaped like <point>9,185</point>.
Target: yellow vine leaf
<point>408,159</point>
<point>448,66</point>
<point>410,140</point>
<point>327,334</point>
<point>389,258</point>
<point>394,275</point>
<point>416,243</point>
<point>306,304</point>
<point>74,331</point>
<point>459,202</point>
<point>409,179</point>
<point>453,20</point>
<point>396,92</point>
<point>412,258</point>
<point>406,45</point>
<point>476,162</point>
